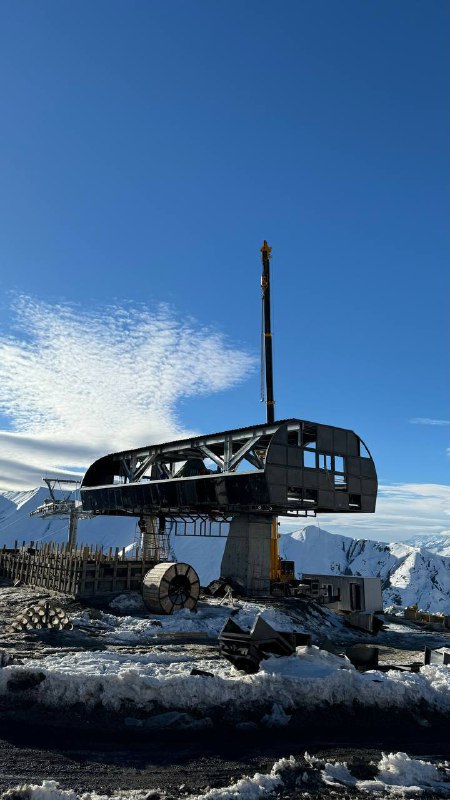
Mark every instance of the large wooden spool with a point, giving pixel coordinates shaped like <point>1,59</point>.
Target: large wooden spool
<point>169,587</point>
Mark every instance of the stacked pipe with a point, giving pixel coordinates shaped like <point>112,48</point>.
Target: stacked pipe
<point>44,615</point>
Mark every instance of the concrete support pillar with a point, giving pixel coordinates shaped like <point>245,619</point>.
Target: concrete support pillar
<point>246,557</point>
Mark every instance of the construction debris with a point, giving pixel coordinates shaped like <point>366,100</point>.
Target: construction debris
<point>364,621</point>
<point>438,657</point>
<point>246,649</point>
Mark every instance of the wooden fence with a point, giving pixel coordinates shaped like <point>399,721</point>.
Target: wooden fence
<point>85,572</point>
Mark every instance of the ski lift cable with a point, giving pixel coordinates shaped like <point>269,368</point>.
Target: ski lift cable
<point>16,519</point>
<point>51,533</point>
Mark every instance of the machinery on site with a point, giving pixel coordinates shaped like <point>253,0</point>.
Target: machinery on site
<point>237,480</point>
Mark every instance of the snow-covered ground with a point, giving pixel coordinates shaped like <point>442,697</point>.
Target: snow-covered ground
<point>397,775</point>
<point>159,681</point>
<point>135,626</point>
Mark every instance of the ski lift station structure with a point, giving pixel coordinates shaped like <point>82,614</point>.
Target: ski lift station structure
<point>244,477</point>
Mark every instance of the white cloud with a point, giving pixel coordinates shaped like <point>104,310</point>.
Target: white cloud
<point>427,421</point>
<point>76,385</point>
<point>403,510</point>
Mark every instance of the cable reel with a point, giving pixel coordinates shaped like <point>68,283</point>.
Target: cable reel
<point>169,587</point>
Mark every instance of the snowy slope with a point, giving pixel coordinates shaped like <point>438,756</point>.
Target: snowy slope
<point>439,544</point>
<point>17,525</point>
<point>410,574</point>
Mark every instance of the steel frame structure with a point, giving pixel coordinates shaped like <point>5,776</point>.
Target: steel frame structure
<point>289,467</point>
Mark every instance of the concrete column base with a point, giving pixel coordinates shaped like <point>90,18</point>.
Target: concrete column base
<point>246,557</point>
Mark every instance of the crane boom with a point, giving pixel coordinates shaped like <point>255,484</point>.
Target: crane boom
<point>267,330</point>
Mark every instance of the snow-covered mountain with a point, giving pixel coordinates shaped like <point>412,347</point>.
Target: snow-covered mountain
<point>17,525</point>
<point>439,544</point>
<point>409,574</point>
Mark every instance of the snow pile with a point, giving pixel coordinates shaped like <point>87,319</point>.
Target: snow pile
<point>132,602</point>
<point>251,788</point>
<point>50,790</point>
<point>398,775</point>
<point>150,682</point>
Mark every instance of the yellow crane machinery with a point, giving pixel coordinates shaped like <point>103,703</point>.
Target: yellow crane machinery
<point>281,570</point>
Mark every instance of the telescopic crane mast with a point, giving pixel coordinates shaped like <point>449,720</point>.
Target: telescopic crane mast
<point>266,354</point>
<point>267,364</point>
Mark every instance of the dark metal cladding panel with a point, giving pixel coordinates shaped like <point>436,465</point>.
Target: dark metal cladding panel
<point>169,493</point>
<point>367,468</point>
<point>311,478</point>
<point>186,494</point>
<point>341,500</point>
<point>295,477</point>
<point>278,495</point>
<point>100,473</point>
<point>295,458</point>
<point>354,485</point>
<point>368,503</point>
<point>325,438</point>
<point>280,437</point>
<point>201,493</point>
<point>354,466</point>
<point>276,474</point>
<point>326,500</point>
<point>278,454</point>
<point>369,486</point>
<point>340,441</point>
<point>248,490</point>
<point>352,444</point>
<point>325,481</point>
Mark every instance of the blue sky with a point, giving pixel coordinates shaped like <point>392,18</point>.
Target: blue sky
<point>147,148</point>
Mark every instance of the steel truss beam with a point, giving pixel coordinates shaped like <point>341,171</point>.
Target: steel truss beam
<point>226,451</point>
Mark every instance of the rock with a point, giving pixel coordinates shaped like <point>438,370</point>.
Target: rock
<point>22,680</point>
<point>202,672</point>
<point>5,658</point>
